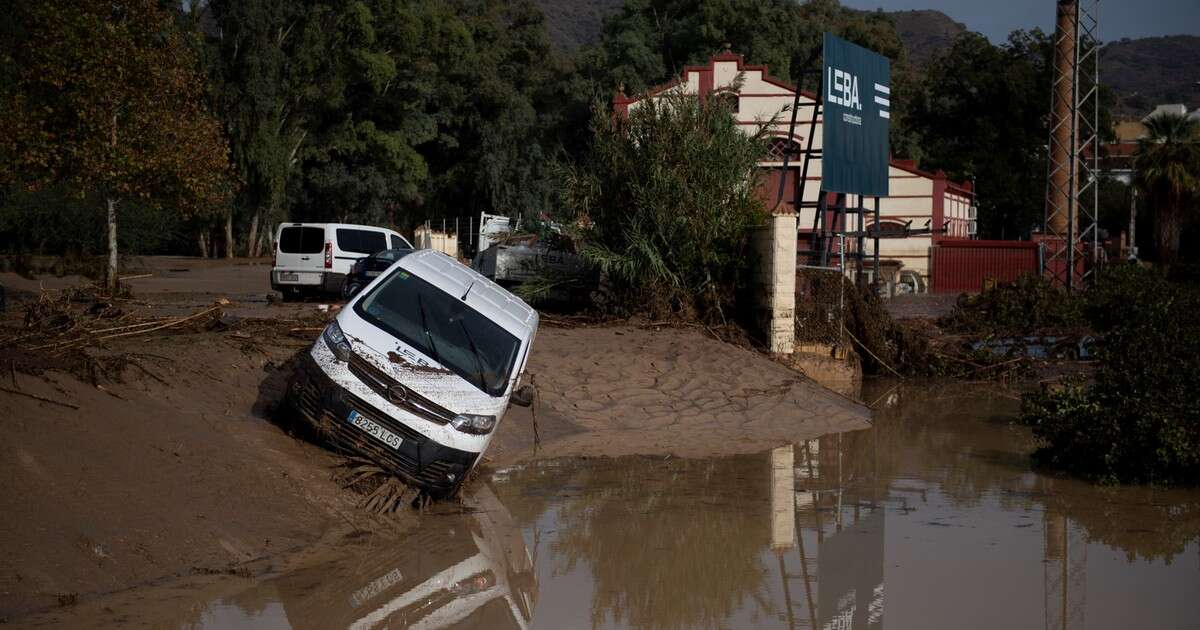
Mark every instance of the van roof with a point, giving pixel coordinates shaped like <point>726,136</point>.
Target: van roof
<point>485,296</point>
<point>336,225</point>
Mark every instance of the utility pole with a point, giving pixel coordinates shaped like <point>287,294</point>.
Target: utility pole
<point>1133,250</point>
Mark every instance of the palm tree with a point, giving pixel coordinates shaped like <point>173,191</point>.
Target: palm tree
<point>1167,163</point>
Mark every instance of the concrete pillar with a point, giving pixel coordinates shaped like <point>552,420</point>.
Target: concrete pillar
<point>775,243</point>
<point>783,498</point>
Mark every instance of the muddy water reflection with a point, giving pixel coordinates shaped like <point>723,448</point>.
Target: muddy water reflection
<point>931,519</point>
<point>464,570</point>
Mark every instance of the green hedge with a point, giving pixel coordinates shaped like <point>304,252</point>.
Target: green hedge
<point>1138,420</point>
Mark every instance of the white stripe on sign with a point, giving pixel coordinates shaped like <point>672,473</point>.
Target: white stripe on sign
<point>883,114</point>
<point>882,101</point>
<point>882,88</point>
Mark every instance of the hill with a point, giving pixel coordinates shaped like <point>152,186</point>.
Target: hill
<point>1152,70</point>
<point>575,23</point>
<point>925,33</point>
<point>1143,72</point>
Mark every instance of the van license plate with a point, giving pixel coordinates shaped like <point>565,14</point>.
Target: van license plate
<point>374,430</point>
<point>288,276</point>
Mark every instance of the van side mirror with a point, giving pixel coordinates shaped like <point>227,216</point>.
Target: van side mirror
<point>523,396</point>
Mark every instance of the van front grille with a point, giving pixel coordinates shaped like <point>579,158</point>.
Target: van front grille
<point>380,383</point>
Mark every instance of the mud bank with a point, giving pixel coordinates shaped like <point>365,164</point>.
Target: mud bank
<point>179,469</point>
<point>174,470</point>
<point>624,390</point>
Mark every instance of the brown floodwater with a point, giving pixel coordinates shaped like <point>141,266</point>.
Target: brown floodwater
<point>933,518</point>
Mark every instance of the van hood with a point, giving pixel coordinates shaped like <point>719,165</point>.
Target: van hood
<point>416,370</point>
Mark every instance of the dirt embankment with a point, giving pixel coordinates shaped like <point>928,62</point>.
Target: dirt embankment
<point>175,465</point>
<point>172,471</point>
<point>625,390</point>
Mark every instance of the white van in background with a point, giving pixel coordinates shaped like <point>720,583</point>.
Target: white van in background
<point>315,257</point>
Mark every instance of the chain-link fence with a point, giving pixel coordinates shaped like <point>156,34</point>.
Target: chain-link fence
<point>821,306</point>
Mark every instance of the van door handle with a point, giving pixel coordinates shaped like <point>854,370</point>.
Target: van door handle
<point>304,258</point>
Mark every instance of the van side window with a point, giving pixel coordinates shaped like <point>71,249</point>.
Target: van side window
<point>301,240</point>
<point>361,241</point>
<point>398,243</point>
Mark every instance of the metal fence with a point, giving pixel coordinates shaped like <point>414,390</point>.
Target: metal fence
<point>965,266</point>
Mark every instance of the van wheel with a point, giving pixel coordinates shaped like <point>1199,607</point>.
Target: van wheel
<point>349,289</point>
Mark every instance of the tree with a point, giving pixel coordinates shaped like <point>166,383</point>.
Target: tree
<point>259,69</point>
<point>365,113</point>
<point>981,116</point>
<point>650,41</point>
<point>495,102</point>
<point>1167,164</point>
<point>104,97</point>
<point>667,197</point>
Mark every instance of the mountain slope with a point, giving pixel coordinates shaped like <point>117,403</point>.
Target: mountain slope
<point>1143,72</point>
<point>925,33</point>
<point>1152,70</point>
<point>575,23</point>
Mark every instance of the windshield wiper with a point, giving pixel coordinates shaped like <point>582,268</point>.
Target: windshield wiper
<point>475,353</point>
<point>425,325</point>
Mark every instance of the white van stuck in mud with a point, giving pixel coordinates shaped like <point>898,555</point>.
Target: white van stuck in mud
<point>418,369</point>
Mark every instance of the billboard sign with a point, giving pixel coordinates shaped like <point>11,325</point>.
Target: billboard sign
<point>857,92</point>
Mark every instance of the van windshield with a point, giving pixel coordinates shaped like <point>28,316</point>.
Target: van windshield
<point>442,326</point>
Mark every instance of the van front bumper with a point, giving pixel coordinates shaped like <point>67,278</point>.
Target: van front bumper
<point>419,461</point>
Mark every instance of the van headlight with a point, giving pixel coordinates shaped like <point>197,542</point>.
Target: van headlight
<point>338,344</point>
<point>473,424</point>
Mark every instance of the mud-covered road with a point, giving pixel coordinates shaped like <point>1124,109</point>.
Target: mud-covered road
<point>178,468</point>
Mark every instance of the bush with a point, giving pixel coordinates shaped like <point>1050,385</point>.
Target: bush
<point>664,202</point>
<point>1028,305</point>
<point>1138,421</point>
<point>57,222</point>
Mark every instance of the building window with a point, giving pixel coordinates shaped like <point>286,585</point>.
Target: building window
<point>889,229</point>
<point>779,147</point>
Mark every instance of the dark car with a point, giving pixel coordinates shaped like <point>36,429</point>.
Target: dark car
<point>367,269</point>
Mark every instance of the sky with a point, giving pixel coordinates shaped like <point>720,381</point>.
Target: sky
<point>1118,18</point>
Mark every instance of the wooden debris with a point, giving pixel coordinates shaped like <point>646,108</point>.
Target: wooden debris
<point>39,398</point>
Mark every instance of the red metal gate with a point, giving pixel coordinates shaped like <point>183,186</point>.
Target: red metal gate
<point>964,265</point>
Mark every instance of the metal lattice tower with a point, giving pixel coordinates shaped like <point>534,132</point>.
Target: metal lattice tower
<point>1071,234</point>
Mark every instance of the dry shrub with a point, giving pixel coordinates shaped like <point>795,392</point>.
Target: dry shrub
<point>884,344</point>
